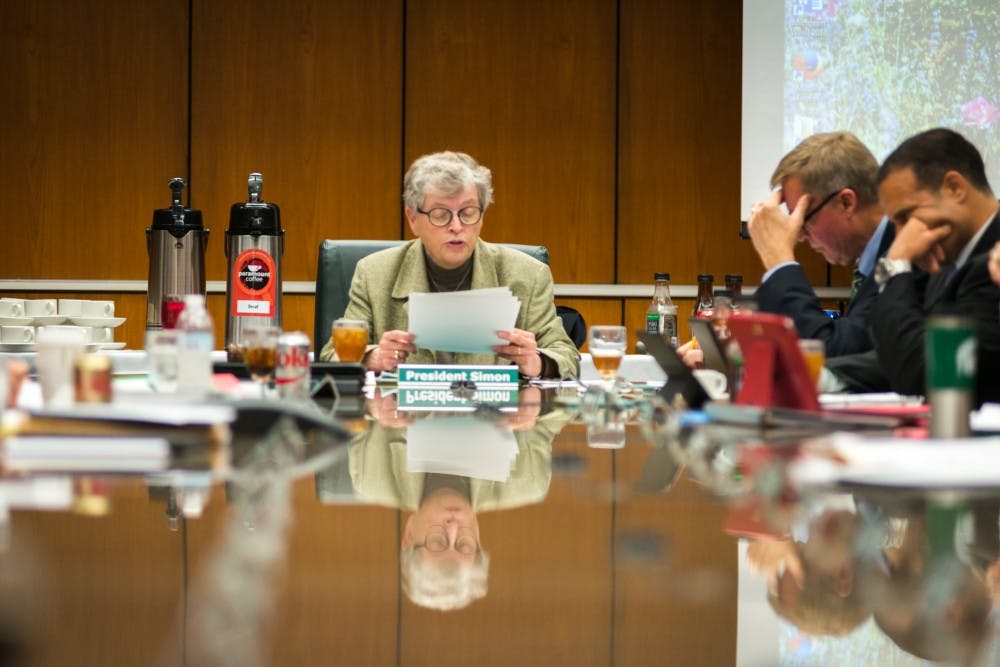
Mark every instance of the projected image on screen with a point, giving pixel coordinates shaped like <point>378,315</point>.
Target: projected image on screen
<point>886,69</point>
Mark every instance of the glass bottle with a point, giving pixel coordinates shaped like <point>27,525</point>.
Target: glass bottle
<point>734,283</point>
<point>661,316</point>
<point>722,300</point>
<point>705,307</point>
<point>197,339</point>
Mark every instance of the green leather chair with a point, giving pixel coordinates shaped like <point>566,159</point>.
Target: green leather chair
<point>335,270</point>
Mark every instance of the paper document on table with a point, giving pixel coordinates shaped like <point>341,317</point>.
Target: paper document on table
<point>986,419</point>
<point>464,446</point>
<point>463,321</point>
<point>902,462</point>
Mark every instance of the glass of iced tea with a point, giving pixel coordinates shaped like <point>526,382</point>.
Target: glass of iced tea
<point>260,353</point>
<point>350,338</point>
<point>814,352</point>
<point>607,347</point>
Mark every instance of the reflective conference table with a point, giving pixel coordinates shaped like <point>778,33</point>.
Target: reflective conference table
<point>669,542</point>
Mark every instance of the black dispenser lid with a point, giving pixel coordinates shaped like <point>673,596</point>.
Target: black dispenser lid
<point>177,220</point>
<point>255,216</point>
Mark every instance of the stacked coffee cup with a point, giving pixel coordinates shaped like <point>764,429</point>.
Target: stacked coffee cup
<point>22,321</point>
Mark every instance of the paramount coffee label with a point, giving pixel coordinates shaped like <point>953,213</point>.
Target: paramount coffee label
<point>254,282</point>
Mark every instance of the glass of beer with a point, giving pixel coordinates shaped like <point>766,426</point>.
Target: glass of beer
<point>607,347</point>
<point>260,353</point>
<point>814,352</point>
<point>350,338</point>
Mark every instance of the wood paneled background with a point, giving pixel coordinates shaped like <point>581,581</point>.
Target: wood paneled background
<point>612,128</point>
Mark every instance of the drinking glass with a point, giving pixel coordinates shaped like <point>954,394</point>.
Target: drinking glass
<point>260,354</point>
<point>607,347</point>
<point>350,338</point>
<point>162,355</point>
<point>814,352</point>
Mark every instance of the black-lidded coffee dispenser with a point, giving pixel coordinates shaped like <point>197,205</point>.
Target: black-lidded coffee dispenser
<point>255,243</point>
<point>176,245</point>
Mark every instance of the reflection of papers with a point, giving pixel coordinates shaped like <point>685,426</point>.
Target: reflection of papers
<point>461,446</point>
<point>900,462</point>
<point>463,321</point>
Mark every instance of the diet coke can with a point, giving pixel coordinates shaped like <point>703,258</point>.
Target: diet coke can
<point>291,374</point>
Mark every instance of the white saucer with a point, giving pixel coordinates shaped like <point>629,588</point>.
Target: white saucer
<point>89,347</point>
<point>48,319</point>
<point>110,346</point>
<point>15,320</point>
<point>97,321</point>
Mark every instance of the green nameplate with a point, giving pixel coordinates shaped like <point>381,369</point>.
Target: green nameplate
<point>442,398</point>
<point>446,374</point>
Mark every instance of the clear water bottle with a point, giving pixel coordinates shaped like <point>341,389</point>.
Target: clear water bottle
<point>197,339</point>
<point>661,315</point>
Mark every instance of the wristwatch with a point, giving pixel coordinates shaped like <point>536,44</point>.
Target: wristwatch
<point>887,268</point>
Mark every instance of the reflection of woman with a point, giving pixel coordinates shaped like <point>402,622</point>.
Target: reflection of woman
<point>443,564</point>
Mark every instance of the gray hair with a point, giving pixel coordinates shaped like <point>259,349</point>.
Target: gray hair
<point>446,585</point>
<point>446,173</point>
<point>831,161</point>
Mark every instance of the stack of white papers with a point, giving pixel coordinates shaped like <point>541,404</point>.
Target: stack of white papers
<point>461,446</point>
<point>986,419</point>
<point>76,453</point>
<point>463,321</point>
<point>902,462</point>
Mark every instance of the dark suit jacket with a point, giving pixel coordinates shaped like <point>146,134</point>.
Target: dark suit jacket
<point>788,292</point>
<point>900,315</point>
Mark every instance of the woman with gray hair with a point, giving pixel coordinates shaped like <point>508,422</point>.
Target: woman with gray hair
<point>445,197</point>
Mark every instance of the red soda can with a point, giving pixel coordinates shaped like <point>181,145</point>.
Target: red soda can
<point>291,374</point>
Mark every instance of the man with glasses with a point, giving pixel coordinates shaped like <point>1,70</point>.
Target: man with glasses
<point>828,184</point>
<point>445,196</point>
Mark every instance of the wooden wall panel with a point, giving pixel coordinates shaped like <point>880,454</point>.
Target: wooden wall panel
<point>92,125</point>
<point>309,93</point>
<point>528,89</point>
<point>679,191</point>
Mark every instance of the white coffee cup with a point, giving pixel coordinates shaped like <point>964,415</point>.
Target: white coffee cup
<point>71,307</point>
<point>17,335</point>
<point>11,307</point>
<point>58,348</point>
<point>82,332</point>
<point>102,335</point>
<point>39,307</point>
<point>714,382</point>
<point>98,308</point>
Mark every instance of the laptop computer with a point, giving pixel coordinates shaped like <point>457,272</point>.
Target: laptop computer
<point>682,386</point>
<point>715,356</point>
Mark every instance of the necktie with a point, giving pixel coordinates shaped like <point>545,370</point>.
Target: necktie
<point>856,283</point>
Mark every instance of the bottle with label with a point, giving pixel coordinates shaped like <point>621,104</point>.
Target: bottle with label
<point>734,283</point>
<point>661,316</point>
<point>705,307</point>
<point>197,339</point>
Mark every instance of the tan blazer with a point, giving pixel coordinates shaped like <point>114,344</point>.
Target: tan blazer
<point>383,281</point>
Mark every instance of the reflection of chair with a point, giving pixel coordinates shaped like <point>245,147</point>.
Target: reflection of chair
<point>335,270</point>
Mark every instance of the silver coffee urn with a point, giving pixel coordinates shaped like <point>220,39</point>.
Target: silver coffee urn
<point>255,243</point>
<point>176,245</point>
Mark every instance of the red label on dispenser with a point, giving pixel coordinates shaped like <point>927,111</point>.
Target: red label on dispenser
<point>254,283</point>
